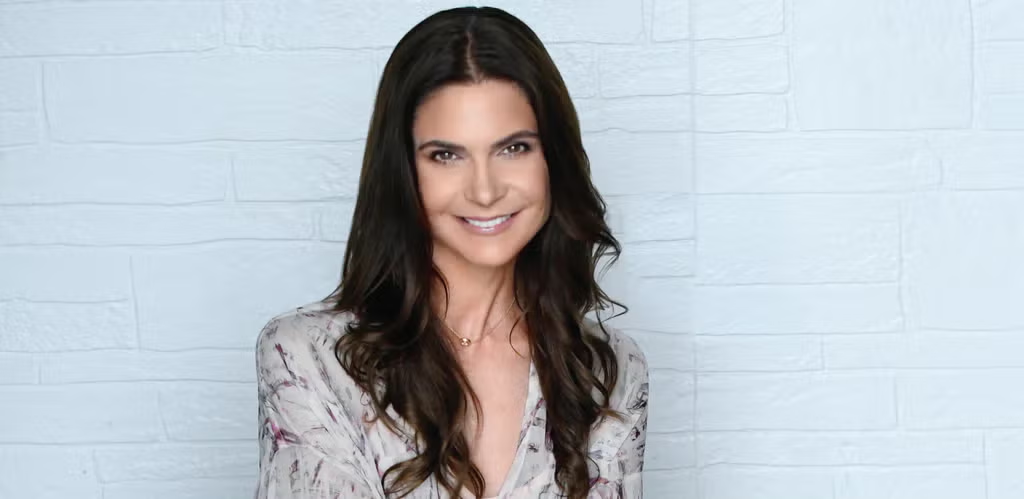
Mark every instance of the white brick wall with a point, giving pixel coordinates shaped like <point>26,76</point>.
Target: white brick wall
<point>822,207</point>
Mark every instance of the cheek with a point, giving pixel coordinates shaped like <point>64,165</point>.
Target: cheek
<point>432,192</point>
<point>539,184</point>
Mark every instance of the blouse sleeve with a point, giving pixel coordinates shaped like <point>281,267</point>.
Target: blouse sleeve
<point>622,475</point>
<point>631,451</point>
<point>309,445</point>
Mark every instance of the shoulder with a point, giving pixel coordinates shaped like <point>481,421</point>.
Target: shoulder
<point>632,360</point>
<point>296,347</point>
<point>307,326</point>
<point>633,371</point>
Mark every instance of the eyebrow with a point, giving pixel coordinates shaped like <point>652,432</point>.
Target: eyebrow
<point>521,134</point>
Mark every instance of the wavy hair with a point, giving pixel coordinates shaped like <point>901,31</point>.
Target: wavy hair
<point>394,347</point>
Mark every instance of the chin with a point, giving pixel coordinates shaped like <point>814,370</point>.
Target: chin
<point>492,254</point>
<point>494,259</point>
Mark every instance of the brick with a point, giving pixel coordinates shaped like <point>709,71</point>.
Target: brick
<point>195,488</point>
<point>845,59</point>
<point>86,275</point>
<point>960,398</point>
<point>133,365</point>
<point>661,69</point>
<point>1004,456</point>
<point>20,91</point>
<point>671,399</point>
<point>999,19</point>
<point>577,64</point>
<point>666,350</point>
<point>635,114</point>
<point>605,21</point>
<point>737,18</point>
<point>335,221</point>
<point>736,113</point>
<point>18,369</point>
<point>668,451</point>
<point>659,258</point>
<point>670,483</point>
<point>18,128</point>
<point>108,412</point>
<point>136,225</point>
<point>937,482</point>
<point>740,67</point>
<point>616,155</point>
<point>189,298</point>
<point>795,401</point>
<point>946,229</point>
<point>209,411</point>
<point>805,239</point>
<point>217,97</point>
<point>926,349</point>
<point>758,353</point>
<point>974,160</point>
<point>175,461</point>
<point>1001,112</point>
<point>798,163</point>
<point>732,482</point>
<point>84,175</point>
<point>362,24</point>
<point>651,217</point>
<point>1001,68</point>
<point>49,472</point>
<point>307,173</point>
<point>52,327</point>
<point>671,20</point>
<point>848,448</point>
<point>780,309</point>
<point>655,304</point>
<point>43,29</point>
<point>341,24</point>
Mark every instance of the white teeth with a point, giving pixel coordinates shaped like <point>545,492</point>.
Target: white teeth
<point>487,224</point>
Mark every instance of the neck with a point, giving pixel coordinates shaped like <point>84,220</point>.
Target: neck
<point>478,299</point>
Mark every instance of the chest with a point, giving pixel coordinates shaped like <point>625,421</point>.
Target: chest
<point>493,435</point>
<point>509,397</point>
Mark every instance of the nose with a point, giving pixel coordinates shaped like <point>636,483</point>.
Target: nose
<point>485,184</point>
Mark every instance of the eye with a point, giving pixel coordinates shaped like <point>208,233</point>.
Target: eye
<point>517,149</point>
<point>443,156</point>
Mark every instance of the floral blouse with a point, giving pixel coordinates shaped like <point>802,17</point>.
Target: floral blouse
<point>315,444</point>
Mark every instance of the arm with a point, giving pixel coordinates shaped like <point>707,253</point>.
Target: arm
<point>622,474</point>
<point>631,452</point>
<point>309,448</point>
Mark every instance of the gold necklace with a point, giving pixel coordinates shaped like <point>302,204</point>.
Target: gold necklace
<point>464,341</point>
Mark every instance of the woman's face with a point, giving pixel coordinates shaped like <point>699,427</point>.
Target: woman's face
<point>482,174</point>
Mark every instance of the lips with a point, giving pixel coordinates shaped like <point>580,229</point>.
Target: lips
<point>488,225</point>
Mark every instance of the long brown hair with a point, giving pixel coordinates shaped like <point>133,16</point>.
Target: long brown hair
<point>394,348</point>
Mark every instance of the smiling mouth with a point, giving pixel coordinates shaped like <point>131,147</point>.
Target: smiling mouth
<point>488,223</point>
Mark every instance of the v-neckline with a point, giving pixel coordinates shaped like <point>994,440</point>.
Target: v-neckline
<point>525,425</point>
<point>533,392</point>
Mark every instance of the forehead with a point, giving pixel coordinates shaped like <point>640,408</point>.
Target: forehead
<point>469,112</point>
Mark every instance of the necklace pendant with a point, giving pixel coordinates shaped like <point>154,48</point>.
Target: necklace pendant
<point>465,341</point>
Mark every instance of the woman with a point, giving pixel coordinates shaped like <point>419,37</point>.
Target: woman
<point>455,358</point>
